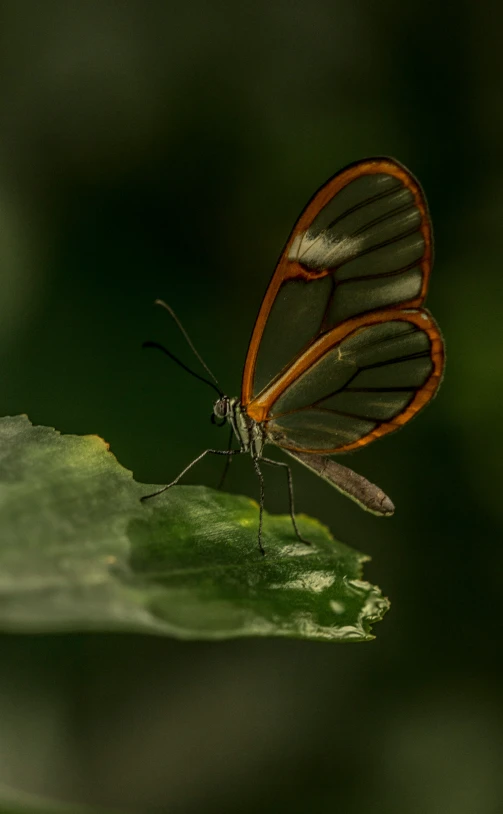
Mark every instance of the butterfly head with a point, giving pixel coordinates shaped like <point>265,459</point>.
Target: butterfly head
<point>221,410</point>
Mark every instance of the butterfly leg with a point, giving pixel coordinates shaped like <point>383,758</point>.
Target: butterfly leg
<point>195,461</point>
<point>261,511</point>
<point>228,461</point>
<point>290,493</point>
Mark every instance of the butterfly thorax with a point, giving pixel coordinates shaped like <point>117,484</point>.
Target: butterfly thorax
<point>249,433</point>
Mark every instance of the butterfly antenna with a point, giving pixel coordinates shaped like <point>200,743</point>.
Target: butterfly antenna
<point>187,338</point>
<point>172,356</point>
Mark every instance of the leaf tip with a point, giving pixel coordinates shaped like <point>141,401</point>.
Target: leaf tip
<point>99,441</point>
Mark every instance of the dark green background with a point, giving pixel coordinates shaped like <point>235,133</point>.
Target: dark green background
<point>159,149</point>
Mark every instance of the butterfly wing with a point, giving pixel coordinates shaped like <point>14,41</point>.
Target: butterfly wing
<point>340,353</point>
<point>359,381</point>
<point>362,243</point>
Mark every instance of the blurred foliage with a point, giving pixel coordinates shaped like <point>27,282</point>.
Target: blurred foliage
<point>165,150</point>
<point>15,802</point>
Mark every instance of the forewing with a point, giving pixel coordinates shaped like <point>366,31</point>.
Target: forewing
<point>363,243</point>
<point>359,381</point>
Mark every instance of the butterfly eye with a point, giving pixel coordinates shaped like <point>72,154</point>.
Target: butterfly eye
<point>220,411</point>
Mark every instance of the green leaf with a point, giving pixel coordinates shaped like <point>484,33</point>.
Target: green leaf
<point>79,551</point>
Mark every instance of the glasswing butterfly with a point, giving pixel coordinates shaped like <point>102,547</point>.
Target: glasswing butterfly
<point>342,351</point>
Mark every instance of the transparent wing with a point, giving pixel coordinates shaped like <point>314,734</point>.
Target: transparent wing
<point>362,244</point>
<point>358,382</point>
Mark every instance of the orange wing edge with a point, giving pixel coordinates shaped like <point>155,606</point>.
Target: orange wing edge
<point>288,269</point>
<point>259,408</point>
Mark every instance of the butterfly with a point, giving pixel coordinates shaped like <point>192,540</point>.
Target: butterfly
<point>343,351</point>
